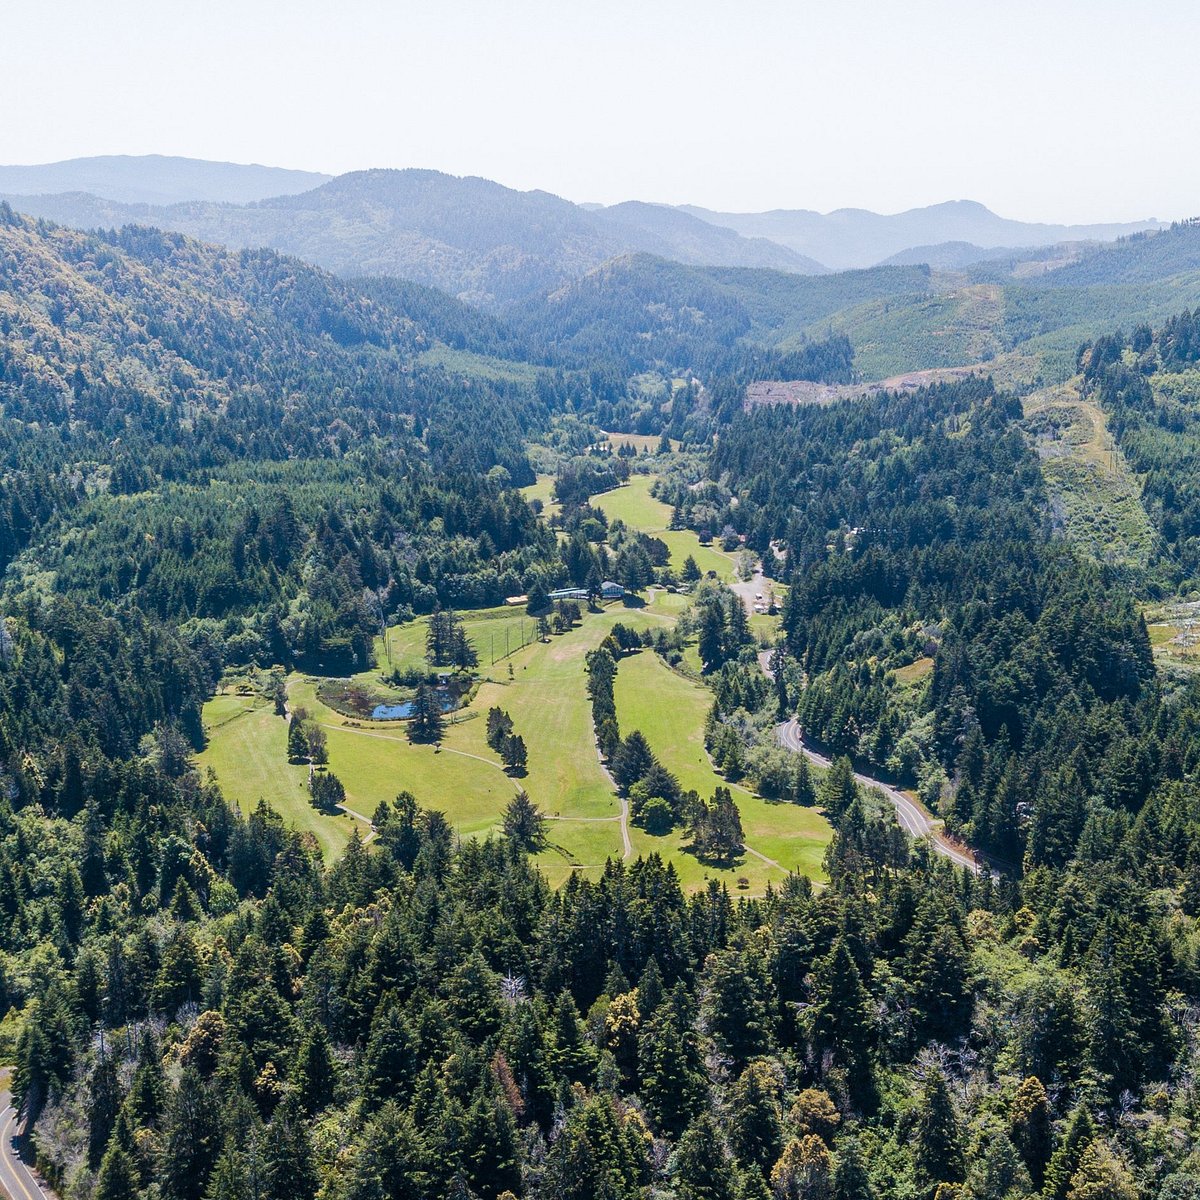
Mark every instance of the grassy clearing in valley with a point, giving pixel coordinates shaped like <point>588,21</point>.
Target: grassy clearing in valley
<point>547,699</point>
<point>465,779</point>
<point>543,490</point>
<point>247,751</point>
<point>643,443</point>
<point>633,504</point>
<point>670,710</point>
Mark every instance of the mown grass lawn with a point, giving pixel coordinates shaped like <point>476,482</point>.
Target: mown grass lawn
<point>494,632</point>
<point>247,751</point>
<point>633,504</point>
<point>670,710</point>
<point>542,490</point>
<point>547,699</point>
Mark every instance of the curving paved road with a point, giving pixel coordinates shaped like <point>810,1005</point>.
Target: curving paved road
<point>17,1180</point>
<point>914,820</point>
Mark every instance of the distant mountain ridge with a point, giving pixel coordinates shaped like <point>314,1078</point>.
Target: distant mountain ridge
<point>493,246</point>
<point>853,237</point>
<point>679,230</point>
<point>157,179</point>
<point>481,241</point>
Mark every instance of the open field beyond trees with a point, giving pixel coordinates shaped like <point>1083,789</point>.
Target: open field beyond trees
<point>633,504</point>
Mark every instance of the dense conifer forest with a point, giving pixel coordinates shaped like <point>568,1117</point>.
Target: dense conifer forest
<point>215,459</point>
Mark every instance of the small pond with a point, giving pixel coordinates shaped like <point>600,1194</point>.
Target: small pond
<point>401,712</point>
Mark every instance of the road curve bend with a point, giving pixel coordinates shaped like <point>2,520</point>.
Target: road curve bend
<point>912,817</point>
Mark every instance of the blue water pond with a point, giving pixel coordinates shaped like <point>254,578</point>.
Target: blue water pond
<point>401,712</point>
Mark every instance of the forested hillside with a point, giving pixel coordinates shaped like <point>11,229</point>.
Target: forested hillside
<point>897,319</point>
<point>228,469</point>
<point>638,283</point>
<point>236,441</point>
<point>1148,384</point>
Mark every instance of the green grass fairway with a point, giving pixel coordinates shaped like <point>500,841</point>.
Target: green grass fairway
<point>247,751</point>
<point>492,631</point>
<point>542,490</point>
<point>633,504</point>
<point>375,761</point>
<point>670,711</point>
<point>578,847</point>
<point>548,702</point>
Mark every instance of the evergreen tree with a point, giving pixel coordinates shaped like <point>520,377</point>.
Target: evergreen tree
<point>804,1171</point>
<point>524,823</point>
<point>291,1172</point>
<point>514,754</point>
<point>754,1123</point>
<point>499,727</point>
<point>712,637</point>
<point>1079,1133</point>
<point>702,1167</point>
<point>1030,1125</point>
<point>388,1160</point>
<point>842,1021</point>
<point>190,1138</point>
<point>118,1177</point>
<point>489,1148</point>
<point>298,743</point>
<point>632,760</point>
<point>104,1101</point>
<point>838,789</point>
<point>999,1173</point>
<point>389,1060</point>
<point>735,1010</point>
<point>327,791</point>
<point>937,1149</point>
<point>427,723</point>
<point>850,1178</point>
<point>672,1071</point>
<point>313,1074</point>
<point>1101,1176</point>
<point>571,1056</point>
<point>229,1178</point>
<point>538,599</point>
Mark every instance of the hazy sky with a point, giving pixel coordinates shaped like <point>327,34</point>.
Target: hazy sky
<point>1063,110</point>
